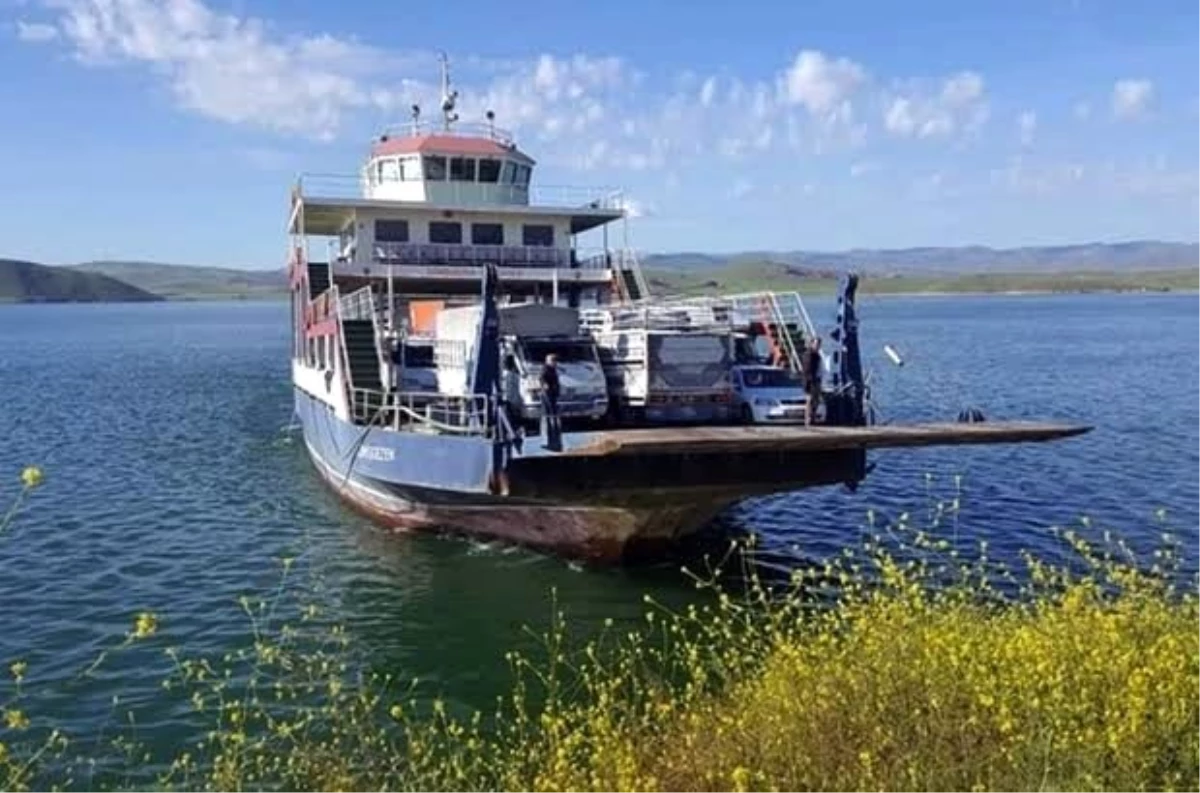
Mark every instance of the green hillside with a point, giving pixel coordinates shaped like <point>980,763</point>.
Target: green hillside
<point>26,282</point>
<point>185,282</point>
<point>753,277</point>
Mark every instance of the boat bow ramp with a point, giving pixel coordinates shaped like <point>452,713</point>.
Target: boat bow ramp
<point>733,440</point>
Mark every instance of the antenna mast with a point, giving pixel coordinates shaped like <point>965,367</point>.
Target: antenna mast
<point>449,97</point>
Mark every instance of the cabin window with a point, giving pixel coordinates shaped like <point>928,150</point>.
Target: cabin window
<point>487,234</point>
<point>462,169</point>
<point>391,231</point>
<point>410,169</point>
<point>523,175</point>
<point>489,171</point>
<point>537,235</point>
<point>446,233</point>
<point>389,170</point>
<point>509,174</point>
<point>435,169</point>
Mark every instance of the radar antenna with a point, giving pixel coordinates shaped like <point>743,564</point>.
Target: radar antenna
<point>449,97</point>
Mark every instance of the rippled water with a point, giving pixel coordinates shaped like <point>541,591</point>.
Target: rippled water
<point>174,485</point>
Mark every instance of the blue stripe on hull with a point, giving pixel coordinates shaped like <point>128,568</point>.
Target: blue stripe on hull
<point>436,462</point>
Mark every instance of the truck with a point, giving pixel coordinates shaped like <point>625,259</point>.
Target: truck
<point>528,332</point>
<point>661,376</point>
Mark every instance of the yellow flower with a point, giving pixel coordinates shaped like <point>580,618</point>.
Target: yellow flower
<point>32,476</point>
<point>145,625</point>
<point>15,719</point>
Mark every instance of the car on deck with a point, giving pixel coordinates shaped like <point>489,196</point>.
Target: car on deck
<point>768,395</point>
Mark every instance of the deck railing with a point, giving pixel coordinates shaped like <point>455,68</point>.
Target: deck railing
<point>461,129</point>
<point>451,255</point>
<point>464,194</point>
<point>359,304</point>
<point>422,411</point>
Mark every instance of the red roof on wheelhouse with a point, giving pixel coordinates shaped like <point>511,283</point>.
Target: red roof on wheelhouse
<point>434,143</point>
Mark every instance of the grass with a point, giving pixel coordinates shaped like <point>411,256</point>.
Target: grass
<point>905,663</point>
<point>751,277</point>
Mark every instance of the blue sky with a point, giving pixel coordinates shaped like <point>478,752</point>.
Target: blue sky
<point>170,130</point>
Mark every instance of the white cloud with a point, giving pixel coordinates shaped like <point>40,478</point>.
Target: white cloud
<point>821,84</point>
<point>960,106</point>
<point>36,31</point>
<point>1131,98</point>
<point>581,111</point>
<point>1082,111</point>
<point>1027,127</point>
<point>741,189</point>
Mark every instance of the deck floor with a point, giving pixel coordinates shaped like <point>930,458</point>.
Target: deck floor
<point>709,440</point>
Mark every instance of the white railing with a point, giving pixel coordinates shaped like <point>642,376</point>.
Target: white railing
<point>452,255</point>
<point>359,304</point>
<point>464,129</point>
<point>421,411</point>
<point>462,194</point>
<point>449,353</point>
<point>729,312</point>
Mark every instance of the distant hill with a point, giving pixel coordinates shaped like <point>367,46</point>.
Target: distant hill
<point>179,281</point>
<point>1090,257</point>
<point>27,282</point>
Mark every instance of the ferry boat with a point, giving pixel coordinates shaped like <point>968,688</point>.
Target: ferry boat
<point>402,410</point>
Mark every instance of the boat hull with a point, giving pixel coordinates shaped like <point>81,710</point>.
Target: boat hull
<point>414,482</point>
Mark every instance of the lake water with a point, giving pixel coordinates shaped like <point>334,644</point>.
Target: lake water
<point>173,484</point>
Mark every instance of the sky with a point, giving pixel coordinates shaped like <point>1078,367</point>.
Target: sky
<point>172,130</point>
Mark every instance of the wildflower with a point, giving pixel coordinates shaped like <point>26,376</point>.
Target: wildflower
<point>145,625</point>
<point>15,719</point>
<point>32,476</point>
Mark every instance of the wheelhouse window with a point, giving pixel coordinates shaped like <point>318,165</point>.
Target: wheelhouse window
<point>487,234</point>
<point>435,168</point>
<point>387,170</point>
<point>462,169</point>
<point>538,235</point>
<point>391,231</point>
<point>509,174</point>
<point>410,169</point>
<point>446,233</point>
<point>489,171</point>
<point>523,172</point>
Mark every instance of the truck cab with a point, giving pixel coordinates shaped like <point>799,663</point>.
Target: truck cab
<point>584,389</point>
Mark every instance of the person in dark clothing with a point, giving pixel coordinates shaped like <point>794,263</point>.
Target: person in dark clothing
<point>810,364</point>
<point>550,385</point>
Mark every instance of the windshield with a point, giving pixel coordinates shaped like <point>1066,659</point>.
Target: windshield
<point>567,352</point>
<point>420,355</point>
<point>770,378</point>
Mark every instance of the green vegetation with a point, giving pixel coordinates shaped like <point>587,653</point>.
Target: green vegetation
<point>901,665</point>
<point>26,282</point>
<point>185,282</point>
<point>756,276</point>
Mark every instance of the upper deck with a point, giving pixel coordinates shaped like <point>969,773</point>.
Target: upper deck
<point>431,205</point>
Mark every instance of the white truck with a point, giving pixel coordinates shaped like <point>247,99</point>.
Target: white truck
<point>528,332</point>
<point>668,376</point>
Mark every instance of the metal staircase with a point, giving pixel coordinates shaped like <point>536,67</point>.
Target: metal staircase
<point>631,281</point>
<point>318,278</point>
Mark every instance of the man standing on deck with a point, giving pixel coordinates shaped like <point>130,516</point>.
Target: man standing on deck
<point>550,393</point>
<point>810,365</point>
